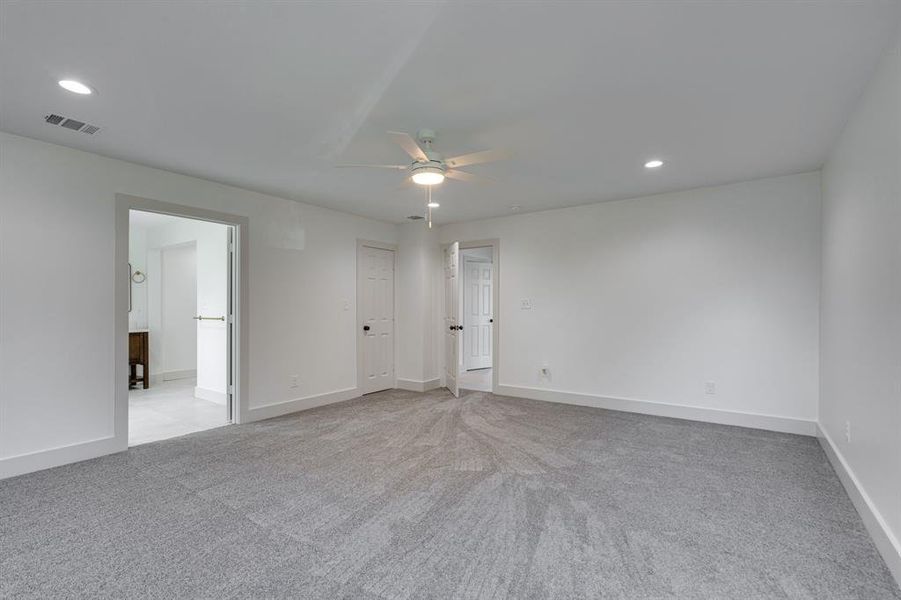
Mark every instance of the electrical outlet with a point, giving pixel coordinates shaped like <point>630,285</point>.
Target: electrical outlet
<point>295,381</point>
<point>525,304</point>
<point>347,305</point>
<point>848,431</point>
<point>545,372</point>
<point>710,388</point>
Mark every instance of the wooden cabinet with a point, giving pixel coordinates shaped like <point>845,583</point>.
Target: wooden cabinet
<point>138,354</point>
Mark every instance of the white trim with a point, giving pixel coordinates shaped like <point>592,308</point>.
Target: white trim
<point>887,544</point>
<point>211,395</point>
<point>358,326</point>
<point>676,411</point>
<point>277,409</point>
<point>414,385</point>
<point>173,375</point>
<point>62,455</point>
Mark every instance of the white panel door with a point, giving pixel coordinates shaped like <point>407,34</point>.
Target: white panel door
<point>477,318</point>
<point>452,318</point>
<point>378,318</point>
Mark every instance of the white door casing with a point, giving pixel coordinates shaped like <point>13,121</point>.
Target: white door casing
<point>477,314</point>
<point>376,297</point>
<point>230,332</point>
<point>452,317</point>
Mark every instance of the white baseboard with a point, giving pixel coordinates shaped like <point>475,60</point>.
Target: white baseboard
<point>414,385</point>
<point>676,411</point>
<point>887,544</point>
<point>278,409</point>
<point>211,395</point>
<point>173,375</point>
<point>56,457</point>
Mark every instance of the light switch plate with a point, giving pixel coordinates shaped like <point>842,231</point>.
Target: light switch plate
<point>525,304</point>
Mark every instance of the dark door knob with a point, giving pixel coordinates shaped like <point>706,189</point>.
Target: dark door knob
<point>491,320</point>
<point>365,327</point>
<point>451,327</point>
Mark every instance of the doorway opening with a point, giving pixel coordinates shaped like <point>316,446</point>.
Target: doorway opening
<point>180,325</point>
<point>470,314</point>
<point>477,266</point>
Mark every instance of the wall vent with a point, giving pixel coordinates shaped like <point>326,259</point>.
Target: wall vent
<point>73,124</point>
<point>416,217</point>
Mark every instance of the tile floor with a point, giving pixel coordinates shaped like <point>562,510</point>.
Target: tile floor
<point>478,380</point>
<point>169,409</point>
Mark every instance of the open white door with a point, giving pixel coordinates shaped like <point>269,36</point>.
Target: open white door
<point>477,320</point>
<point>452,317</point>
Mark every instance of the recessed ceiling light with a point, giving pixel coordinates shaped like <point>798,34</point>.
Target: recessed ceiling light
<point>515,207</point>
<point>76,87</point>
<point>433,205</point>
<point>653,164</point>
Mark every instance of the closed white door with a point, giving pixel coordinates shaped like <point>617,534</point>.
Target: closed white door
<point>477,318</point>
<point>377,328</point>
<point>452,318</point>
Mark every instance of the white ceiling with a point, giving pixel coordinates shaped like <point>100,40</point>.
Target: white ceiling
<point>270,96</point>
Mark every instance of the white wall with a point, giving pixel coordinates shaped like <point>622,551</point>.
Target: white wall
<point>56,357</point>
<point>645,300</point>
<point>137,256</point>
<point>860,373</point>
<point>177,333</point>
<point>418,255</point>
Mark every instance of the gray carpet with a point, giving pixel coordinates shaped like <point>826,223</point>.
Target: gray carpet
<point>405,495</point>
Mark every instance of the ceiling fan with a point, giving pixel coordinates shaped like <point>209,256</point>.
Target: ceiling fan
<point>429,167</point>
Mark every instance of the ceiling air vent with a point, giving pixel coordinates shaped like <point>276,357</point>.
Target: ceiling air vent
<point>73,124</point>
<point>416,217</point>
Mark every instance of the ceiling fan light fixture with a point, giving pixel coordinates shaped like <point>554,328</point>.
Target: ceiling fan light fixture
<point>428,176</point>
<point>433,205</point>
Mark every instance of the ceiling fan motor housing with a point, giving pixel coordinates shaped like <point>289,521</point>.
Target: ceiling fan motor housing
<point>432,166</point>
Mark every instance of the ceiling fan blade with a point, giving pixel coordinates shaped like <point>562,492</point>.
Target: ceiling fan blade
<point>409,145</point>
<point>476,158</point>
<point>395,167</point>
<point>468,177</point>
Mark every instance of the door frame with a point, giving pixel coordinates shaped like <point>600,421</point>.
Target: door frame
<point>359,320</point>
<point>239,292</point>
<point>495,245</point>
